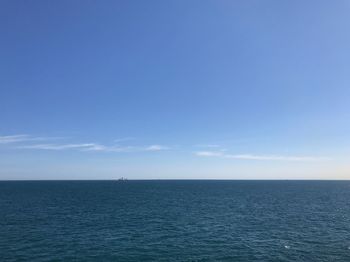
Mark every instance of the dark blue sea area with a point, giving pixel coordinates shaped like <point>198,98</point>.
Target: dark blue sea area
<point>178,220</point>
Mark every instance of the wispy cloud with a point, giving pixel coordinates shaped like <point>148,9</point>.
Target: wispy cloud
<point>24,141</point>
<point>97,147</point>
<point>94,147</point>
<point>209,153</point>
<point>58,147</point>
<point>13,139</point>
<point>156,148</point>
<point>259,157</point>
<point>22,138</point>
<point>105,148</point>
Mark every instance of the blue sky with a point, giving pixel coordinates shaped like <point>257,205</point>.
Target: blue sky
<point>174,89</point>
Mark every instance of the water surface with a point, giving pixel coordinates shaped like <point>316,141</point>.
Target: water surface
<point>175,221</point>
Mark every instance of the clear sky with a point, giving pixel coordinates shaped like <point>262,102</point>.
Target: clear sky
<point>175,89</point>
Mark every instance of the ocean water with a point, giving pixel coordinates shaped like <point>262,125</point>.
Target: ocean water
<point>175,221</point>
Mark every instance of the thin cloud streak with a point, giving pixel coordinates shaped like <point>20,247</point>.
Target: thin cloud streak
<point>24,141</point>
<point>209,153</point>
<point>156,148</point>
<point>23,138</point>
<point>259,157</point>
<point>13,139</point>
<point>95,147</point>
<point>56,146</point>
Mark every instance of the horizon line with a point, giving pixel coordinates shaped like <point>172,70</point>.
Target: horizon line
<point>169,179</point>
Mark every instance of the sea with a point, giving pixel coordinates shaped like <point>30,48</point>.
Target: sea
<point>175,220</point>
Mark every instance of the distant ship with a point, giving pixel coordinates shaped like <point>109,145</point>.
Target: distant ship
<point>122,179</point>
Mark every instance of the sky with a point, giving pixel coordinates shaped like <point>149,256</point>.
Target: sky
<point>174,89</point>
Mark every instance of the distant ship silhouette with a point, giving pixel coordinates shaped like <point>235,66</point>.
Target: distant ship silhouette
<point>122,179</point>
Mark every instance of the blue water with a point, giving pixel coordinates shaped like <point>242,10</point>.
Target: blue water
<point>175,221</point>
